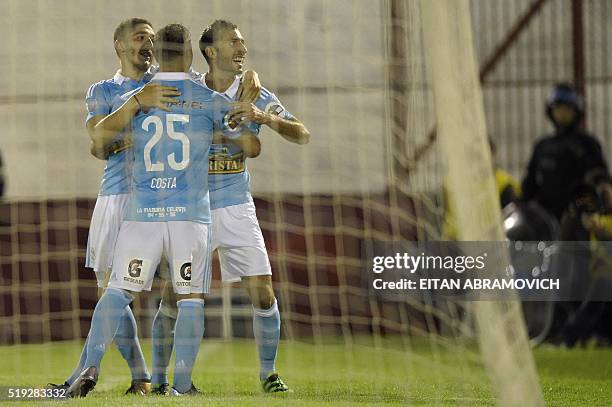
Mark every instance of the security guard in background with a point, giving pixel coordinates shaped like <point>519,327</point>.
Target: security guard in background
<point>566,159</point>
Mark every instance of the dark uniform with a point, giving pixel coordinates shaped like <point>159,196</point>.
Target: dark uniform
<point>559,165</point>
<point>564,174</point>
<point>563,161</point>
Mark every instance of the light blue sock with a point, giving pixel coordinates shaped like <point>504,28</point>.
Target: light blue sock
<point>188,333</point>
<point>128,344</point>
<point>104,324</point>
<point>162,343</point>
<point>266,328</point>
<point>80,367</point>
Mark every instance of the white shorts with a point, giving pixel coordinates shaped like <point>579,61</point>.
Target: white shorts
<point>102,278</point>
<point>103,231</point>
<point>140,247</point>
<point>237,237</point>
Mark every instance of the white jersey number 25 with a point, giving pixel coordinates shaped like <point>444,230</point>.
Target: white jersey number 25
<point>173,134</point>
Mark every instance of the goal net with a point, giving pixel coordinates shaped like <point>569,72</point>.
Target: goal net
<point>389,91</point>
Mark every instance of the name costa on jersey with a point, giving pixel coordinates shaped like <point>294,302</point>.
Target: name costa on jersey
<point>170,154</point>
<point>163,183</point>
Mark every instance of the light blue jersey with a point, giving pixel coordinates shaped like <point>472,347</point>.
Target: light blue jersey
<point>170,152</point>
<point>229,179</point>
<point>99,101</point>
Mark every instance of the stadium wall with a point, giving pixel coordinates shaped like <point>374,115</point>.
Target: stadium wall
<point>319,57</point>
<point>47,294</point>
<point>326,61</point>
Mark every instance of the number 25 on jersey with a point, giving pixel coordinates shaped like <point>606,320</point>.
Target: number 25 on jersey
<point>159,132</point>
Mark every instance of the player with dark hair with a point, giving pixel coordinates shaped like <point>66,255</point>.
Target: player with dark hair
<point>236,231</point>
<point>214,32</point>
<point>168,212</point>
<point>133,45</point>
<point>224,49</point>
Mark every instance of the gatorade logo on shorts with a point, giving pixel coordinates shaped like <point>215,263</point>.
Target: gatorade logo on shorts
<point>134,268</point>
<point>186,271</point>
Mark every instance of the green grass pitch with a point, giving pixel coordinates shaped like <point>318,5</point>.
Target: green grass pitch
<point>325,374</point>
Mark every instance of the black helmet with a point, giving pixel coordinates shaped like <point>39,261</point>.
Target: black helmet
<point>565,94</point>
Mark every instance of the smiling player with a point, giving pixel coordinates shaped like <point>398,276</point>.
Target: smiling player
<point>133,46</point>
<point>168,210</point>
<point>236,231</point>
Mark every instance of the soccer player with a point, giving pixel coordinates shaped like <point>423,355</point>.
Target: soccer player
<point>236,231</point>
<point>133,45</point>
<point>168,212</point>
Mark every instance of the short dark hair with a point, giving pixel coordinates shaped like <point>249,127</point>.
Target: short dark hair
<point>212,33</point>
<point>172,41</point>
<point>127,26</point>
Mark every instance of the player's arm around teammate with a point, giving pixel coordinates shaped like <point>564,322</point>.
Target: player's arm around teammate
<point>225,56</point>
<point>236,231</point>
<point>135,52</point>
<point>103,130</point>
<point>132,43</point>
<point>250,87</point>
<point>168,214</point>
<point>291,129</point>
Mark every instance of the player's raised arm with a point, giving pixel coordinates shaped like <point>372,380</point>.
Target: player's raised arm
<point>250,87</point>
<point>290,128</point>
<point>103,130</point>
